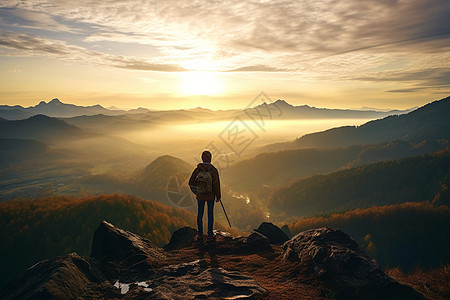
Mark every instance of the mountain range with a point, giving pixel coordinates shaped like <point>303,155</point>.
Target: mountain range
<point>424,130</point>
<point>279,109</point>
<point>56,108</point>
<point>431,121</point>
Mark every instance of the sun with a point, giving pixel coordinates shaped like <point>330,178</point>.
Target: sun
<point>201,79</point>
<point>200,83</point>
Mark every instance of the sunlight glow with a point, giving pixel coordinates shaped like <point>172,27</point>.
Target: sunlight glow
<point>200,83</point>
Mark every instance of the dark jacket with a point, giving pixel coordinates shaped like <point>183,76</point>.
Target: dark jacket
<point>215,194</point>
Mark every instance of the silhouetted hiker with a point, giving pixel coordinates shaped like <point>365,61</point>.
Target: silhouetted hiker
<point>205,184</point>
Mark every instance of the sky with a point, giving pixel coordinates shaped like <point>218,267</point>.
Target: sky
<point>221,54</point>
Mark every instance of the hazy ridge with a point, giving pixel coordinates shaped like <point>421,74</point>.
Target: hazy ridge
<point>414,179</point>
<point>284,110</point>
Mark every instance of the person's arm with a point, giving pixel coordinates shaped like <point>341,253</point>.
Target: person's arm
<point>192,181</point>
<point>216,185</point>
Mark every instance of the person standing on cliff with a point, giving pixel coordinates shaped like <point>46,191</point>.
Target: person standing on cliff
<point>205,184</point>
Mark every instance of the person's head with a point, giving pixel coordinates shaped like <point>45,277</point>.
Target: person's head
<point>206,156</point>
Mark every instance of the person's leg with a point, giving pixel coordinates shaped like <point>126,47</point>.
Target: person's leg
<point>210,217</point>
<point>201,209</point>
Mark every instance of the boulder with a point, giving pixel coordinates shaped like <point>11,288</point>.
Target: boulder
<point>192,281</point>
<point>273,233</point>
<point>67,277</point>
<point>337,259</point>
<point>257,241</point>
<point>125,253</point>
<point>181,238</point>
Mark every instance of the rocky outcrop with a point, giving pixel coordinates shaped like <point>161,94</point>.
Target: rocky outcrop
<point>333,256</point>
<point>124,265</point>
<point>255,242</point>
<point>112,243</point>
<point>192,281</point>
<point>123,253</point>
<point>68,277</point>
<point>273,233</point>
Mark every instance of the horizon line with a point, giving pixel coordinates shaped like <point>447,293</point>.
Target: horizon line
<point>115,108</point>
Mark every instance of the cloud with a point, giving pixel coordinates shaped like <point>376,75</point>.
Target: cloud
<point>330,38</point>
<point>32,45</point>
<point>431,79</point>
<point>135,64</point>
<point>334,27</point>
<point>21,18</point>
<point>416,38</point>
<point>28,45</point>
<point>117,37</point>
<point>259,68</point>
<point>412,90</point>
<point>327,26</point>
<point>430,76</point>
<point>9,3</point>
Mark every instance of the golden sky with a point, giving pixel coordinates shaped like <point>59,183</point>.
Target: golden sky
<point>221,54</point>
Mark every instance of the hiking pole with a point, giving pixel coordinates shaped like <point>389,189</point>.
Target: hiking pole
<point>225,213</point>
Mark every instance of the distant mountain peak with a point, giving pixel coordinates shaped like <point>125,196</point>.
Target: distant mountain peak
<point>199,108</point>
<point>55,101</point>
<point>282,103</point>
<point>279,103</point>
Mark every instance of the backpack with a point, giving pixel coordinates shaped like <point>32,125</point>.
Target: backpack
<point>203,182</point>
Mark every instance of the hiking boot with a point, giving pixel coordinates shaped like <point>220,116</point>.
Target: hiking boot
<point>200,236</point>
<point>211,238</point>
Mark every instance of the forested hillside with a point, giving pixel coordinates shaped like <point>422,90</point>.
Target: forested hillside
<point>415,179</point>
<point>275,168</point>
<point>406,235</point>
<point>428,122</point>
<point>37,229</point>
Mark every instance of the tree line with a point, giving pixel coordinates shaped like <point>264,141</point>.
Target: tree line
<point>407,235</point>
<point>37,229</point>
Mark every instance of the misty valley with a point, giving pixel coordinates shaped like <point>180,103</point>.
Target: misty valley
<point>382,177</point>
